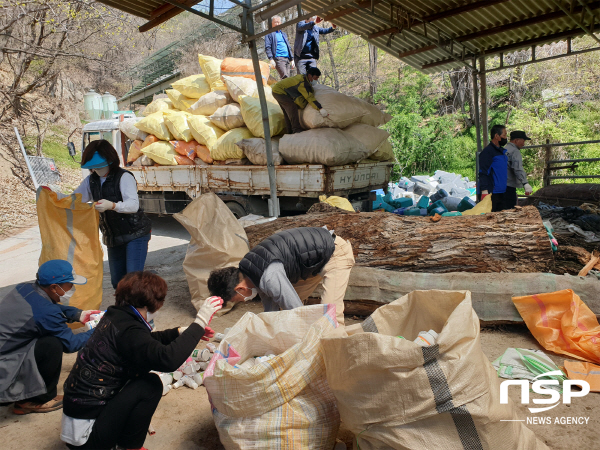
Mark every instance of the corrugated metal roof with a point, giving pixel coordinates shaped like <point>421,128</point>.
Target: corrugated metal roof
<point>490,27</point>
<point>433,35</point>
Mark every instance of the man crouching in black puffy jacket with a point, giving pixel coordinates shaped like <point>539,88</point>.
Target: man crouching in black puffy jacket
<point>110,394</point>
<point>286,268</point>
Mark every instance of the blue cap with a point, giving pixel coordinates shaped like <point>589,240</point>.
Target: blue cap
<point>97,162</point>
<point>57,271</point>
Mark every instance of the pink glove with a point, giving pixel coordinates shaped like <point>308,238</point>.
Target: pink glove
<point>209,333</point>
<point>85,315</point>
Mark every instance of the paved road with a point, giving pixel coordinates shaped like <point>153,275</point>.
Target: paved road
<point>19,254</point>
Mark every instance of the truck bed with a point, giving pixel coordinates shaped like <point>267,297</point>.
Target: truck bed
<point>310,180</point>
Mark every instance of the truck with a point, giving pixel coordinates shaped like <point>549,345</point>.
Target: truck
<point>243,188</point>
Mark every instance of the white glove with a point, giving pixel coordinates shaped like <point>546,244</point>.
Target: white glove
<point>528,189</point>
<point>103,205</point>
<point>293,64</point>
<point>210,306</point>
<point>272,63</point>
<point>323,112</point>
<point>85,315</point>
<point>181,329</point>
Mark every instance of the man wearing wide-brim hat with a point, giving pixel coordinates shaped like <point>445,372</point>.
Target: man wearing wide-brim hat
<point>517,177</point>
<point>34,334</point>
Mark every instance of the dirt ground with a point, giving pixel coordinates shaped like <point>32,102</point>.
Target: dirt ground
<point>183,420</point>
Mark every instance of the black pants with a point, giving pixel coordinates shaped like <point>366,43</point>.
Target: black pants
<point>48,353</point>
<point>125,419</point>
<point>498,202</point>
<point>510,197</point>
<point>282,65</point>
<point>291,113</point>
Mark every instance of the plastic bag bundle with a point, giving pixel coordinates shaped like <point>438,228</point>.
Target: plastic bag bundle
<point>211,68</point>
<point>279,402</point>
<point>160,104</point>
<point>178,125</point>
<point>256,151</point>
<point>252,116</point>
<point>394,393</point>
<point>194,86</point>
<point>343,110</point>
<point>226,147</point>
<point>327,146</point>
<point>161,152</point>
<point>204,131</point>
<point>180,101</point>
<point>217,240</point>
<point>228,117</point>
<point>209,103</point>
<point>238,86</point>
<point>239,67</point>
<point>128,126</point>
<point>135,151</point>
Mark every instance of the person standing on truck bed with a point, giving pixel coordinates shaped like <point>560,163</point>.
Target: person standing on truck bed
<point>284,269</point>
<point>306,45</point>
<point>295,93</point>
<point>125,228</point>
<point>278,50</point>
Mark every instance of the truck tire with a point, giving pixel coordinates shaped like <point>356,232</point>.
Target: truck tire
<point>237,209</point>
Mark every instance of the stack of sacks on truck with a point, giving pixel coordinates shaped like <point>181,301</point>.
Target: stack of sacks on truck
<point>216,118</point>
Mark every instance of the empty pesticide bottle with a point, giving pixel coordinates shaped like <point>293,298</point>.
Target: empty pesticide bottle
<point>438,195</point>
<point>426,338</point>
<point>423,202</point>
<point>437,206</point>
<point>465,204</point>
<point>452,214</point>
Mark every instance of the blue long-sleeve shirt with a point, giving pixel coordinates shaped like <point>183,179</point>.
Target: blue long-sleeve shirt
<point>302,36</point>
<point>493,170</point>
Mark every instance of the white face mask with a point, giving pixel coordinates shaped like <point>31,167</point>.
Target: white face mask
<point>102,172</point>
<point>66,295</point>
<point>314,82</point>
<point>151,315</point>
<point>254,294</point>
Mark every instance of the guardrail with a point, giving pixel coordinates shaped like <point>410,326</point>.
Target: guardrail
<point>551,165</point>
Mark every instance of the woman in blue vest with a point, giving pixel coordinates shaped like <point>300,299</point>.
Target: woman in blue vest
<point>125,228</point>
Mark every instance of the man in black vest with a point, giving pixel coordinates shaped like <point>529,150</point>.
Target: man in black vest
<point>286,268</point>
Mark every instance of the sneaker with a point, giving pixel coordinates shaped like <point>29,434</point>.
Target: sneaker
<point>22,408</point>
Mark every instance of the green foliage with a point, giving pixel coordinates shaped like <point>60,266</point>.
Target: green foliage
<point>54,146</point>
<point>423,141</point>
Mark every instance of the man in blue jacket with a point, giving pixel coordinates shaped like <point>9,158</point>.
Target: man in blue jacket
<point>306,45</point>
<point>493,169</point>
<point>278,50</point>
<point>34,334</point>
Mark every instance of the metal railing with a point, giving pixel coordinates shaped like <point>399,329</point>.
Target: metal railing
<point>550,165</point>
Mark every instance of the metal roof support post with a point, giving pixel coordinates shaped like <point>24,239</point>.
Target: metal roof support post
<point>477,121</point>
<point>484,104</point>
<point>273,203</point>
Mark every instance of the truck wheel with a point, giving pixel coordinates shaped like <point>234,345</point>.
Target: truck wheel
<point>237,209</point>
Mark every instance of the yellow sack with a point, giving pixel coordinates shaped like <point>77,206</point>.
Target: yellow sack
<point>211,68</point>
<point>194,86</point>
<point>180,101</point>
<point>160,104</point>
<point>155,124</point>
<point>161,152</point>
<point>179,126</point>
<point>338,202</point>
<point>204,131</point>
<point>252,115</point>
<point>226,148</point>
<point>238,86</point>
<point>69,231</point>
<point>209,103</point>
<point>483,207</point>
<point>385,152</point>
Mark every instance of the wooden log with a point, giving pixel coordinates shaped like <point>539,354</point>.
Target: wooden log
<point>491,293</point>
<point>508,241</point>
